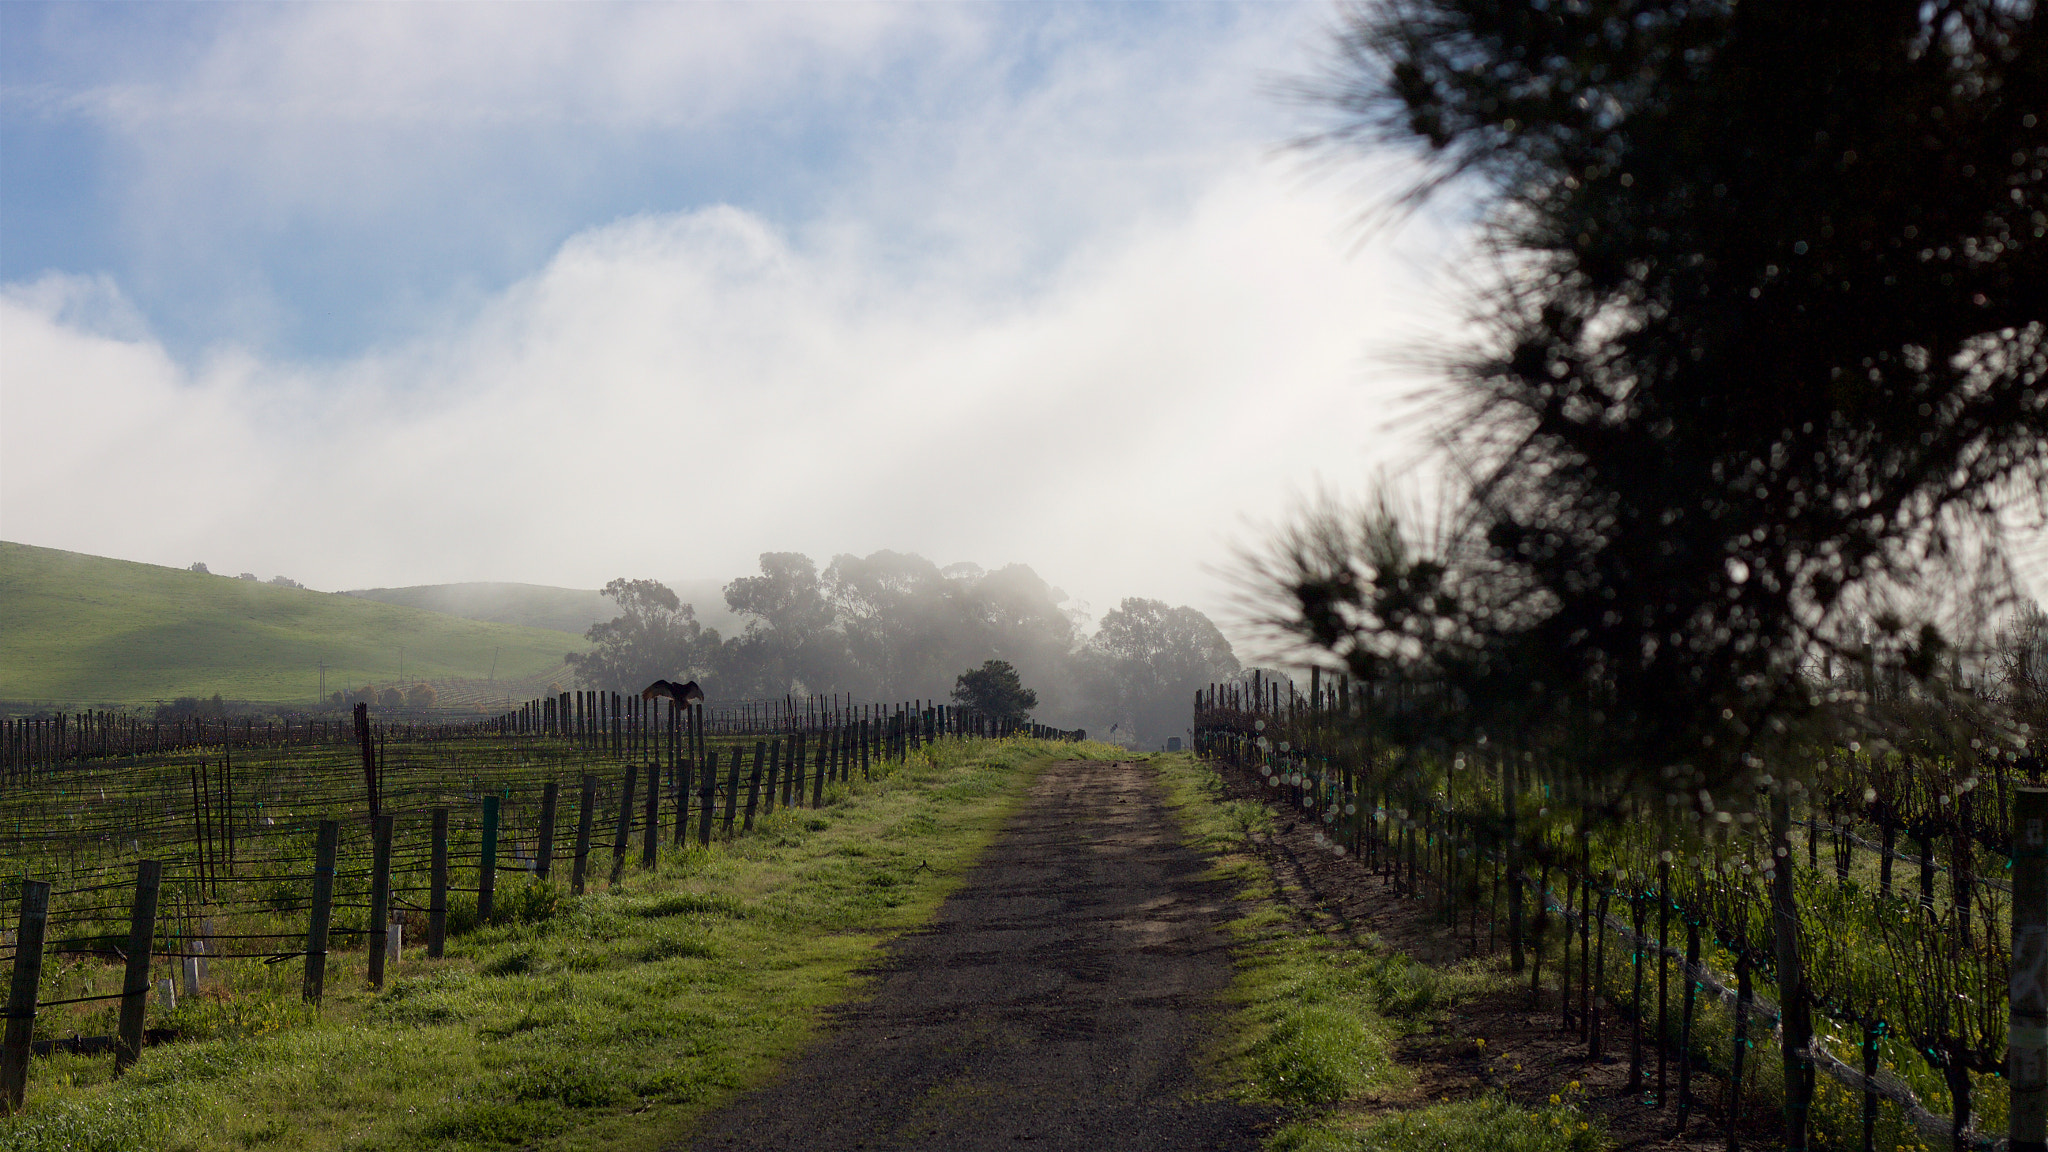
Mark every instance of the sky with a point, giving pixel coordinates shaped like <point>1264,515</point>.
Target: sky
<point>403,294</point>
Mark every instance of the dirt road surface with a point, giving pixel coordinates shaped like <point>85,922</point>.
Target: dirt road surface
<point>1057,1001</point>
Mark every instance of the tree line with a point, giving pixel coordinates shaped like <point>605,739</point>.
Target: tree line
<point>896,626</point>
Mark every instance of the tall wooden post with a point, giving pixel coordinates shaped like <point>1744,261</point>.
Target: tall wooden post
<point>707,791</point>
<point>22,994</point>
<point>2027,1034</point>
<point>625,829</point>
<point>380,899</point>
<point>149,878</point>
<point>580,868</point>
<point>754,785</point>
<point>369,755</point>
<point>323,911</point>
<point>732,790</point>
<point>544,858</point>
<point>650,837</point>
<point>685,774</point>
<point>487,864</point>
<point>818,770</point>
<point>437,886</point>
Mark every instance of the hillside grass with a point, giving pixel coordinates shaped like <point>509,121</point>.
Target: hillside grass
<point>86,630</point>
<point>610,1021</point>
<point>571,610</point>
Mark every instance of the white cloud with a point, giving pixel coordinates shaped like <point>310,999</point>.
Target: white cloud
<point>673,394</point>
<point>1053,302</point>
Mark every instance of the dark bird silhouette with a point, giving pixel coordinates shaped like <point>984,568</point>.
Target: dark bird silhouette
<point>680,693</point>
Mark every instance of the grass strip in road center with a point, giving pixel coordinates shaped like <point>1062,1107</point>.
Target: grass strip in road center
<point>607,1021</point>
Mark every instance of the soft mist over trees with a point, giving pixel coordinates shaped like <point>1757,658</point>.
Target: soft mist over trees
<point>654,637</point>
<point>1149,658</point>
<point>896,626</point>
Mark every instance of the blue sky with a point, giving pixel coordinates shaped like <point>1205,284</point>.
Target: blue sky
<point>995,283</point>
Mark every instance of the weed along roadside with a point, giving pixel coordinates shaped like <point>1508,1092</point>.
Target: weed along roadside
<point>1322,1015</point>
<point>609,1019</point>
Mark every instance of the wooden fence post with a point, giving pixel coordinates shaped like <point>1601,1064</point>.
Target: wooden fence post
<point>369,753</point>
<point>685,764</point>
<point>149,876</point>
<point>581,866</point>
<point>732,790</point>
<point>650,837</point>
<point>1692,984</point>
<point>22,995</point>
<point>754,785</point>
<point>818,771</point>
<point>707,792</point>
<point>380,898</point>
<point>625,830</point>
<point>437,887</point>
<point>487,864</point>
<point>544,860</point>
<point>323,911</point>
<point>793,776</point>
<point>2027,1033</point>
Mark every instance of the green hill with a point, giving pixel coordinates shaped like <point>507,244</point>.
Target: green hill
<point>571,610</point>
<point>79,630</point>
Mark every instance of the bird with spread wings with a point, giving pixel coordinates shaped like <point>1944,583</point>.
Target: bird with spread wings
<point>682,694</point>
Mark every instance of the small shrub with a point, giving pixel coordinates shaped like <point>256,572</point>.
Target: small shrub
<point>1314,1055</point>
<point>1401,986</point>
<point>512,963</point>
<point>691,904</point>
<point>491,1122</point>
<point>671,947</point>
<point>531,901</point>
<point>221,1014</point>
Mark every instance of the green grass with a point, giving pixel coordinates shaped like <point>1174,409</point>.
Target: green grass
<point>1489,1123</point>
<point>571,610</point>
<point>608,1021</point>
<point>86,630</point>
<point>1315,1021</point>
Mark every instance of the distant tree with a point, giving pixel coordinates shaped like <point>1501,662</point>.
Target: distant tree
<point>391,698</point>
<point>792,642</point>
<point>199,568</point>
<point>421,695</point>
<point>1149,658</point>
<point>249,576</point>
<point>654,637</point>
<point>906,623</point>
<point>995,690</point>
<point>899,622</point>
<point>285,582</point>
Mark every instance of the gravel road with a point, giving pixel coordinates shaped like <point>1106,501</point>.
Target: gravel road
<point>1057,1001</point>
